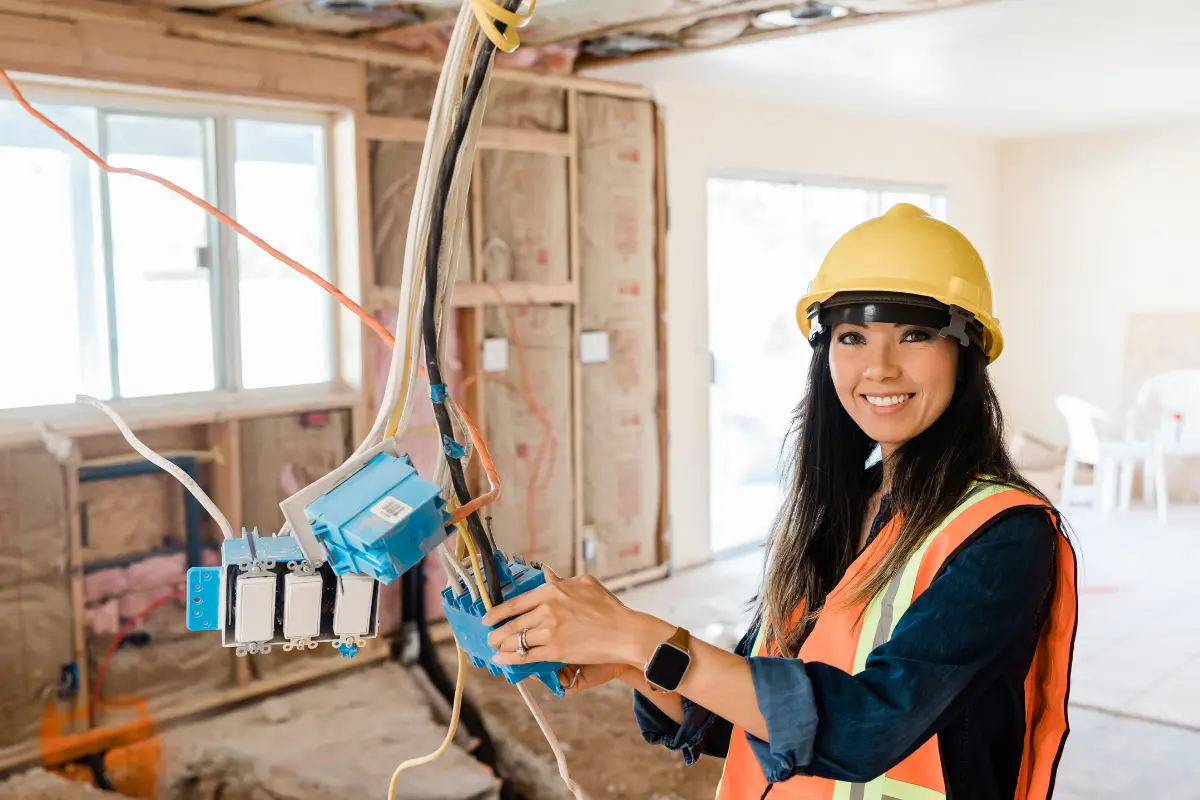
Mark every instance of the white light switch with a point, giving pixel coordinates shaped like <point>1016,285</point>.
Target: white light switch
<point>301,606</point>
<point>352,609</point>
<point>495,355</point>
<point>255,609</point>
<point>593,347</point>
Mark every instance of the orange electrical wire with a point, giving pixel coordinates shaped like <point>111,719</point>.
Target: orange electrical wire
<point>370,321</point>
<point>488,466</point>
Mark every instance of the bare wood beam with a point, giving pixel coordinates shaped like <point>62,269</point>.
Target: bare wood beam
<point>254,9</point>
<point>399,129</point>
<point>388,31</point>
<point>469,295</point>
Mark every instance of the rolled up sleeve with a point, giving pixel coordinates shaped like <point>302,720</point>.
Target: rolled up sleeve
<point>659,729</point>
<point>785,699</point>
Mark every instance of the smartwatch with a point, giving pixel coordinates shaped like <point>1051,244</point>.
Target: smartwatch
<point>665,669</point>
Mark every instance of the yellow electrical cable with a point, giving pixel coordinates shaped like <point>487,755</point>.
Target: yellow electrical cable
<point>453,729</point>
<point>488,13</point>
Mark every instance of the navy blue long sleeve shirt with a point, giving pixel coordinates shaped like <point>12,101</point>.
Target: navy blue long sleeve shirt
<point>955,667</point>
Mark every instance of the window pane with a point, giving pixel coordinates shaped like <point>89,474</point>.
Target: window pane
<point>286,320</point>
<point>162,256</point>
<point>55,343</point>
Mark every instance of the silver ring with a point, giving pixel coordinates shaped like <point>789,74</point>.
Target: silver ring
<point>522,646</point>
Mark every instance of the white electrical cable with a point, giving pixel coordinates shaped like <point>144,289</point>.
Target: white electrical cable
<point>563,771</point>
<point>162,463</point>
<point>408,316</point>
<point>454,567</point>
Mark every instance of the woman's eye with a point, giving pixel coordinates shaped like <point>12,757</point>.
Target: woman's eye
<point>851,337</point>
<point>916,336</point>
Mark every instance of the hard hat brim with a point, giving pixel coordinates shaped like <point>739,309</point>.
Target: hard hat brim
<point>993,339</point>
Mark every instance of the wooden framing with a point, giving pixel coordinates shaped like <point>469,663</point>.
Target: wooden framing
<point>147,47</point>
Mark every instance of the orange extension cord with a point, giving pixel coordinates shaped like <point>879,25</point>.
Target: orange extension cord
<point>477,439</point>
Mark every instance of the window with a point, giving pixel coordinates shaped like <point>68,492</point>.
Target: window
<point>765,243</point>
<point>123,289</point>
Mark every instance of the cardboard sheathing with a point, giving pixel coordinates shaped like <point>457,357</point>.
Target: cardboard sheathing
<point>618,272</point>
<point>515,433</point>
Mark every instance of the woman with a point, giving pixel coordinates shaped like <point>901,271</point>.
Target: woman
<point>916,618</point>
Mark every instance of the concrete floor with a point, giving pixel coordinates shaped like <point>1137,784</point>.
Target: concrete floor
<point>1136,680</point>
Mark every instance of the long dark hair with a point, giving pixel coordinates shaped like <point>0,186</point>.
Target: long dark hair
<point>817,533</point>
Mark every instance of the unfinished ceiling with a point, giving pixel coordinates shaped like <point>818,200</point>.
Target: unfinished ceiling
<point>566,33</point>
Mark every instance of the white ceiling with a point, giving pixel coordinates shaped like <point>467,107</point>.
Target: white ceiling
<point>1008,68</point>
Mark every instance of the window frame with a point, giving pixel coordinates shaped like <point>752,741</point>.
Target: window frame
<point>220,114</point>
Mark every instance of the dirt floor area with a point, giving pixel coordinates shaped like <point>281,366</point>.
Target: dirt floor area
<point>38,784</point>
<point>340,738</point>
<point>605,752</point>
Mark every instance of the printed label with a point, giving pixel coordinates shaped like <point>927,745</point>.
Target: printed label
<point>391,510</point>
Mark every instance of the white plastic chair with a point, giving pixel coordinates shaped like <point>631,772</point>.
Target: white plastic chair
<point>1171,400</point>
<point>1093,438</point>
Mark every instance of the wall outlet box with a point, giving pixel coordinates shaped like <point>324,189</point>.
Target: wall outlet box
<point>593,347</point>
<point>495,355</point>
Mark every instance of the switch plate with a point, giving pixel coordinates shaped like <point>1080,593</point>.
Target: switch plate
<point>254,609</point>
<point>495,355</point>
<point>352,609</point>
<point>593,347</point>
<point>301,606</point>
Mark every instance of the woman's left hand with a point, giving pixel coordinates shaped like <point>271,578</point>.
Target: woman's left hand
<point>575,620</point>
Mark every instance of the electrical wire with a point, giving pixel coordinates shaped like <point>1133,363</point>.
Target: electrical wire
<point>449,166</point>
<point>162,463</point>
<point>555,745</point>
<point>455,711</point>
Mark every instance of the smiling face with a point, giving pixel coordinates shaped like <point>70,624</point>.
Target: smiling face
<point>893,380</point>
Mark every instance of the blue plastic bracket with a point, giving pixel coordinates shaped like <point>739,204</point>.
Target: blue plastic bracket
<point>204,599</point>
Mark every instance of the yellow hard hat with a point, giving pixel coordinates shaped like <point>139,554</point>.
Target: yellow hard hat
<point>904,256</point>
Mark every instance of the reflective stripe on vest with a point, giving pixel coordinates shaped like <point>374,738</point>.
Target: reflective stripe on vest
<point>844,637</point>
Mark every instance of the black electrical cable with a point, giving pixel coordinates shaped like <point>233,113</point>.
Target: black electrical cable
<point>478,76</point>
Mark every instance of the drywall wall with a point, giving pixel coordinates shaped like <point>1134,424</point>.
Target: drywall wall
<point>1095,231</point>
<point>714,136</point>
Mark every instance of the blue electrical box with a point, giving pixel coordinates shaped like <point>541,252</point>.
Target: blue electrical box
<point>381,521</point>
<point>466,620</point>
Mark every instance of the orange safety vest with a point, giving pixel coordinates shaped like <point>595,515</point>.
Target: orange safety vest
<point>843,637</point>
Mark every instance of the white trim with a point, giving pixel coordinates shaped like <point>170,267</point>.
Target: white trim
<point>19,425</point>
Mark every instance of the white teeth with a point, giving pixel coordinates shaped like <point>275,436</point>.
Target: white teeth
<point>893,400</point>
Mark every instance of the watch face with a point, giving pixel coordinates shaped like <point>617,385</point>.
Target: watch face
<point>667,666</point>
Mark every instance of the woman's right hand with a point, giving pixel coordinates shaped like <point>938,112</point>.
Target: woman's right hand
<point>594,675</point>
